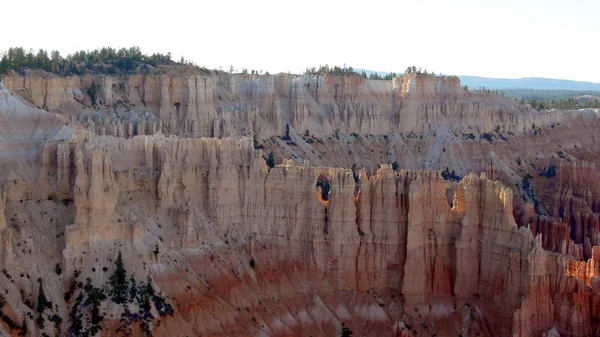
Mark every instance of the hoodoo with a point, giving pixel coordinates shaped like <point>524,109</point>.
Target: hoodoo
<point>143,203</point>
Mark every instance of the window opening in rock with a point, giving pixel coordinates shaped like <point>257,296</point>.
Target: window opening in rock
<point>450,197</point>
<point>323,187</point>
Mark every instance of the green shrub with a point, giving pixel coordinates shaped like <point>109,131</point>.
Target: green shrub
<point>13,325</point>
<point>487,136</point>
<point>549,172</point>
<point>256,145</point>
<point>451,176</point>
<point>525,181</point>
<point>346,332</point>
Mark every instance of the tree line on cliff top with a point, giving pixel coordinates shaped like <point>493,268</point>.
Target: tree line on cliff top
<point>104,60</point>
<point>344,70</point>
<point>113,61</point>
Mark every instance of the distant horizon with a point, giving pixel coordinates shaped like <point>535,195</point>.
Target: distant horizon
<point>486,77</point>
<point>528,77</point>
<point>533,82</point>
<point>299,71</point>
<point>451,37</point>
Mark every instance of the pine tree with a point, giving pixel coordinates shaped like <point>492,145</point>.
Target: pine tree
<point>92,91</point>
<point>133,289</point>
<point>4,64</point>
<point>42,301</point>
<point>287,133</point>
<point>119,282</point>
<point>149,287</point>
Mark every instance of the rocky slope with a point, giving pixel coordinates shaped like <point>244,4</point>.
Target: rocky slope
<point>214,242</point>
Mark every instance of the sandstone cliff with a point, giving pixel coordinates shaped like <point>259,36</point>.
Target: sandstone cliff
<point>237,248</point>
<point>230,105</point>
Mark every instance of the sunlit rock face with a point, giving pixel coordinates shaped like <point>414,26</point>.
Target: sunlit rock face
<point>230,105</point>
<point>169,173</point>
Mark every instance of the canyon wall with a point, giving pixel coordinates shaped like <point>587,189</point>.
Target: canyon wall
<point>411,233</point>
<point>262,105</point>
<point>165,172</point>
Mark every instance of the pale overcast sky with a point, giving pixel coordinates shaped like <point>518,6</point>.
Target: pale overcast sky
<point>499,38</point>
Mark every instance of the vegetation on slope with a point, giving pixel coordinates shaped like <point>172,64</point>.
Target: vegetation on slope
<point>137,301</point>
<point>547,95</point>
<point>556,99</point>
<point>563,104</point>
<point>485,90</point>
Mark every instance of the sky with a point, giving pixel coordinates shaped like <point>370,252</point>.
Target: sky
<point>500,38</point>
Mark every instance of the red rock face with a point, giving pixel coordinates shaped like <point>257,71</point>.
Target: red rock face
<point>241,249</point>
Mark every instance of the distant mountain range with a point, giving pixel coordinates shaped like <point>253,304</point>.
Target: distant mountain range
<point>537,83</point>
